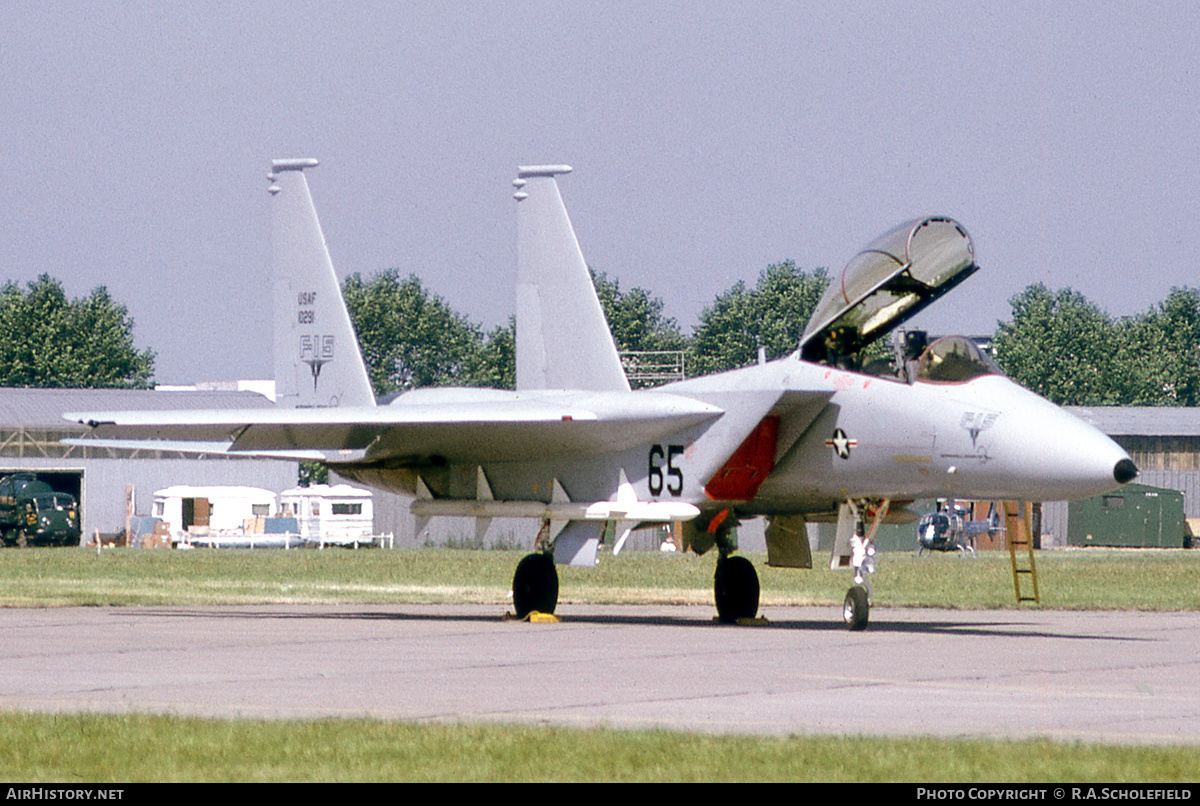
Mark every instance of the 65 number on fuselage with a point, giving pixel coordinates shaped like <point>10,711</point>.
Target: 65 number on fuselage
<point>663,470</point>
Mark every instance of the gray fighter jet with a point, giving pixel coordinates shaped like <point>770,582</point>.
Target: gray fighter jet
<point>809,437</point>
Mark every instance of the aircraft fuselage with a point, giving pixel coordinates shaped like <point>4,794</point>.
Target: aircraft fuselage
<point>838,435</point>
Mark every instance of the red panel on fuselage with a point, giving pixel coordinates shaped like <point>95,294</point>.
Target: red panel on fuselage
<point>748,467</point>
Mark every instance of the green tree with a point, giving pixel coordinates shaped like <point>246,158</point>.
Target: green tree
<point>771,315</point>
<point>495,362</point>
<point>312,472</point>
<point>1063,347</point>
<point>1160,351</point>
<point>47,340</point>
<point>409,337</point>
<point>637,323</point>
<point>635,317</point>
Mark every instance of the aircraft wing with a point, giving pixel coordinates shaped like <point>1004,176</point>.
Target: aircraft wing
<point>199,448</point>
<point>454,425</point>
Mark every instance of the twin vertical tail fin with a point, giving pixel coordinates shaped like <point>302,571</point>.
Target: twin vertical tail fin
<point>317,360</point>
<point>563,339</point>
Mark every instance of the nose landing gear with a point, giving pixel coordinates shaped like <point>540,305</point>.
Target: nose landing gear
<point>853,534</point>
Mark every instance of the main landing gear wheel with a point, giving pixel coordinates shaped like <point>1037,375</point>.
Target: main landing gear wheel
<point>735,586</point>
<point>535,585</point>
<point>857,608</point>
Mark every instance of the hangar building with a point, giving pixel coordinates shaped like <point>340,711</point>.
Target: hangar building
<point>31,426</point>
<point>1163,442</point>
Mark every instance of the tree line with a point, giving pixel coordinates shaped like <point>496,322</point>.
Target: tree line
<point>1068,350</point>
<point>411,337</point>
<point>1057,343</point>
<point>47,340</point>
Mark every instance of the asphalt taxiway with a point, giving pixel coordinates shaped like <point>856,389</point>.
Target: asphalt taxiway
<point>1092,676</point>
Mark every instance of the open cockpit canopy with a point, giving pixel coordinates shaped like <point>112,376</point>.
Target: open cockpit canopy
<point>885,284</point>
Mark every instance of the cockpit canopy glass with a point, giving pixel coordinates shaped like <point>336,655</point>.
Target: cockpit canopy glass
<point>897,275</point>
<point>954,358</point>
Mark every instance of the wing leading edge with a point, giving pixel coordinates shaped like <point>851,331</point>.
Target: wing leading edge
<point>499,427</point>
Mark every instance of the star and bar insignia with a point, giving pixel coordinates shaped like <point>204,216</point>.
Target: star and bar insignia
<point>841,443</point>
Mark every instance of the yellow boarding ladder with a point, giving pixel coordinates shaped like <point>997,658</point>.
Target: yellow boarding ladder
<point>1017,519</point>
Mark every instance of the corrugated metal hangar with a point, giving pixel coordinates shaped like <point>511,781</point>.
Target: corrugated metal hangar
<point>1163,442</point>
<point>31,426</point>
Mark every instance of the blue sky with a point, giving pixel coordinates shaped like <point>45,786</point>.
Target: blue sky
<point>708,140</point>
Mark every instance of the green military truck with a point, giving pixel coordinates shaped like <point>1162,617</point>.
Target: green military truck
<point>31,512</point>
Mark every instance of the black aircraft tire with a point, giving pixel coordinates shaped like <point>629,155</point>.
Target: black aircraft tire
<point>735,588</point>
<point>857,608</point>
<point>535,585</point>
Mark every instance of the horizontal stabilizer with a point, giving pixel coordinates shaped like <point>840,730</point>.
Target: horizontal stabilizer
<point>192,448</point>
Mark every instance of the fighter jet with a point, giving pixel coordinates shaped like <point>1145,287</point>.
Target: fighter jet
<point>809,437</point>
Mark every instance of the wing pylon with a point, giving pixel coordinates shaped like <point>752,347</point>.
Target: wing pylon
<point>623,507</point>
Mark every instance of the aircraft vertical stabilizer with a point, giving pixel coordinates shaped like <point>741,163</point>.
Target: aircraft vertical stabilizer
<point>317,360</point>
<point>563,339</point>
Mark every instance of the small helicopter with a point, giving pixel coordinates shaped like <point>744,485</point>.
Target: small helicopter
<point>949,528</point>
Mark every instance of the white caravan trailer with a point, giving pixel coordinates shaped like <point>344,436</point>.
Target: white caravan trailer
<point>211,510</point>
<point>338,514</point>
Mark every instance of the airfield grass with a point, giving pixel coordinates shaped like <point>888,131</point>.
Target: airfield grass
<point>1085,579</point>
<point>137,747</point>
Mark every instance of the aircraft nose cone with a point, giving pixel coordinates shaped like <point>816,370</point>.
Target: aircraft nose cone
<point>1050,454</point>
